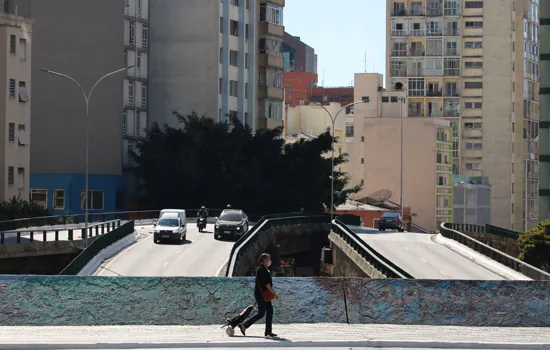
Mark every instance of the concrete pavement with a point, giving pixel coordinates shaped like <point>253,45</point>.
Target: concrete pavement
<point>290,336</point>
<point>422,257</point>
<point>200,255</point>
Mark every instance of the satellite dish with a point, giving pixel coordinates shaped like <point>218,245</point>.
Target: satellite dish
<point>378,197</point>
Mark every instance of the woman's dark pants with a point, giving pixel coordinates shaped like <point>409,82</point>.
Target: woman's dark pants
<point>264,309</point>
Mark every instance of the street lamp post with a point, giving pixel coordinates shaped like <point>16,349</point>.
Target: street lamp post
<point>402,100</point>
<point>333,120</point>
<point>87,98</point>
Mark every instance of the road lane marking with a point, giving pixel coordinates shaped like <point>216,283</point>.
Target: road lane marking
<point>166,263</point>
<point>221,268</point>
<point>124,251</point>
<point>179,251</point>
<point>443,273</point>
<point>424,260</point>
<point>406,248</point>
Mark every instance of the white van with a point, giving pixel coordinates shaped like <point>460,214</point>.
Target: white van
<point>171,225</point>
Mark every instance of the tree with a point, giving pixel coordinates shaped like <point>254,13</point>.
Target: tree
<point>17,208</point>
<point>534,246</point>
<point>215,164</point>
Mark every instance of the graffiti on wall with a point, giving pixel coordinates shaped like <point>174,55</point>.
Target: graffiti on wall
<point>76,301</point>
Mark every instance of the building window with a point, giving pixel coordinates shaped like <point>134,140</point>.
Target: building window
<point>271,13</point>
<point>23,93</point>
<point>473,85</point>
<point>474,4</point>
<point>10,176</point>
<point>221,54</point>
<point>385,99</point>
<point>362,182</point>
<point>451,67</point>
<point>138,60</point>
<point>246,31</point>
<point>144,95</point>
<point>11,132</point>
<point>132,33</point>
<point>144,36</point>
<point>12,88</point>
<point>234,58</point>
<point>22,49</point>
<point>235,2</point>
<point>131,93</point>
<point>271,46</point>
<point>416,87</point>
<point>362,138</point>
<point>234,88</point>
<point>474,125</point>
<point>362,160</point>
<point>221,24</point>
<point>22,135</point>
<point>95,200</point>
<point>137,125</point>
<point>474,24</point>
<point>473,65</point>
<point>270,109</point>
<point>349,130</point>
<point>473,105</point>
<point>20,177</point>
<point>473,44</point>
<point>221,85</point>
<point>246,61</point>
<point>12,44</point>
<point>234,28</point>
<point>124,123</point>
<point>473,166</point>
<point>245,90</point>
<point>474,145</point>
<point>130,152</point>
<point>39,197</point>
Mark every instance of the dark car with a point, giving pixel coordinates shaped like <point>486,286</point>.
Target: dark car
<point>232,223</point>
<point>392,221</point>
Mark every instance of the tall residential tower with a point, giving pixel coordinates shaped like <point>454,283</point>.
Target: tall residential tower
<point>476,63</point>
<point>219,58</point>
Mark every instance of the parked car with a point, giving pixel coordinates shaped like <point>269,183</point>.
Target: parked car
<point>171,226</point>
<point>231,223</point>
<point>392,221</point>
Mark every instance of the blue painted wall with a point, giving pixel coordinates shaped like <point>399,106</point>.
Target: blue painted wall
<point>74,184</point>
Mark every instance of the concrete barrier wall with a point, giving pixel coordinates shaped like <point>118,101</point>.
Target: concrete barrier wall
<point>55,301</point>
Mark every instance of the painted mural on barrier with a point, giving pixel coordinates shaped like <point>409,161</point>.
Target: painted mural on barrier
<point>453,302</point>
<point>159,301</point>
<point>60,300</point>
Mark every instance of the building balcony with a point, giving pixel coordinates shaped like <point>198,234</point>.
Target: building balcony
<point>416,113</point>
<point>270,93</point>
<point>434,12</point>
<point>399,32</point>
<point>265,61</point>
<point>434,93</point>
<point>417,32</point>
<point>398,72</point>
<point>434,32</point>
<point>452,93</point>
<point>453,32</point>
<point>274,2</point>
<point>416,53</point>
<point>435,114</point>
<point>451,114</point>
<point>452,52</point>
<point>271,29</point>
<point>399,53</point>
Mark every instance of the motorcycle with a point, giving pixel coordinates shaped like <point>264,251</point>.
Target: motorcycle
<point>201,223</point>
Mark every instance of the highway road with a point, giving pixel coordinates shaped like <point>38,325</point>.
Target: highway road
<point>200,255</point>
<point>423,258</point>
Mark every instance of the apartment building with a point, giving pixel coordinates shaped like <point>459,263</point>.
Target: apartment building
<point>219,58</point>
<point>298,56</point>
<point>475,63</point>
<point>68,39</point>
<point>377,152</point>
<point>15,107</point>
<point>544,142</point>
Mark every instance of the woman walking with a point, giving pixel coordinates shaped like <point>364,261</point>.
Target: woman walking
<point>264,293</point>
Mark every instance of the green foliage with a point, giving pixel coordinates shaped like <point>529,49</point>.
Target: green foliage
<point>534,246</point>
<point>214,164</point>
<point>17,208</point>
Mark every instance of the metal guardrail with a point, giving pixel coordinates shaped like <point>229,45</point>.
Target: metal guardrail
<point>495,254</point>
<point>94,229</point>
<point>487,229</point>
<point>266,222</point>
<point>98,245</point>
<point>12,225</point>
<point>377,260</point>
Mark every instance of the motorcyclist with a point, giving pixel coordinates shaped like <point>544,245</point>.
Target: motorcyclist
<point>202,213</point>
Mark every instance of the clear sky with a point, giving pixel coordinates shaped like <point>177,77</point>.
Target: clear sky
<point>340,32</point>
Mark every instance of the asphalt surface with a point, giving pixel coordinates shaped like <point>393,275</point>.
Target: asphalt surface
<point>417,254</point>
<point>200,256</point>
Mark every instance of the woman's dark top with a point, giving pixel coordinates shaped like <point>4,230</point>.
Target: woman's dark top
<point>263,278</point>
